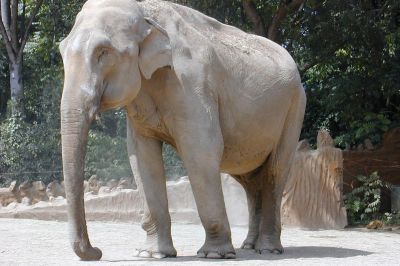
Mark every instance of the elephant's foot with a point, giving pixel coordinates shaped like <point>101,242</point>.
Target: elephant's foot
<point>214,250</point>
<point>249,242</point>
<point>156,254</point>
<point>268,244</point>
<point>152,248</point>
<point>87,253</point>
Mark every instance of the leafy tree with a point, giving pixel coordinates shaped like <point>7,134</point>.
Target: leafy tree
<point>348,53</point>
<point>363,203</point>
<point>15,32</point>
<point>352,82</point>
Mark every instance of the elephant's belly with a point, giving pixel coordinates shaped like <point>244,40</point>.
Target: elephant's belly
<point>237,160</point>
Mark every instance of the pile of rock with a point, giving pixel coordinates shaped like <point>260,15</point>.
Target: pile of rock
<point>95,186</point>
<point>30,193</point>
<point>27,192</point>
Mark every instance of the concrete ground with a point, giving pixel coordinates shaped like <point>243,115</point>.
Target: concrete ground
<point>31,242</point>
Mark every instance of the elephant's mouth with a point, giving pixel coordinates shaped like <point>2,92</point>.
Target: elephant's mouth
<point>112,98</point>
<point>105,105</point>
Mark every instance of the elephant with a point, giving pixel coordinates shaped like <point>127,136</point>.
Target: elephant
<point>226,100</point>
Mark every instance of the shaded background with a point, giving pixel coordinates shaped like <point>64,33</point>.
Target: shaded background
<point>348,54</point>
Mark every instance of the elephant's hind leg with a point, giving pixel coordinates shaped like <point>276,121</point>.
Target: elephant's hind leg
<point>274,175</point>
<point>251,184</point>
<point>269,238</point>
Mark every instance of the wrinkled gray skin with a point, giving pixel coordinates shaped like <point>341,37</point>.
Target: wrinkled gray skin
<point>226,100</point>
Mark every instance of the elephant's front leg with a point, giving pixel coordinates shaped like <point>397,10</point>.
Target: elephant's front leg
<point>145,156</point>
<point>201,150</point>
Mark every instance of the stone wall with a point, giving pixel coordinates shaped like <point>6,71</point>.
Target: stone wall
<point>126,205</point>
<point>312,197</point>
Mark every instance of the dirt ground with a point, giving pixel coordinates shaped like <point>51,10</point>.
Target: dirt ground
<point>31,242</point>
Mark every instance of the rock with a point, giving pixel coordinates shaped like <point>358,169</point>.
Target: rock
<point>303,145</point>
<point>104,190</point>
<point>375,225</point>
<point>313,195</point>
<point>13,186</point>
<point>360,147</point>
<point>125,183</point>
<point>93,185</point>
<point>10,194</point>
<point>112,184</point>
<point>324,139</point>
<point>35,191</point>
<point>26,201</point>
<point>55,189</point>
<point>368,145</point>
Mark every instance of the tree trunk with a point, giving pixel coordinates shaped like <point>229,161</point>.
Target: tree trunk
<point>15,41</point>
<point>17,90</point>
<point>6,15</point>
<point>252,14</point>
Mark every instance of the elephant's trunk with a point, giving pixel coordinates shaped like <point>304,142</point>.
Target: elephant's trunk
<point>75,123</point>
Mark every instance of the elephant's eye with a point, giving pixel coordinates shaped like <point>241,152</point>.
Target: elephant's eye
<point>102,54</point>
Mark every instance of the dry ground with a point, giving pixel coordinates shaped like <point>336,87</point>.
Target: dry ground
<point>30,242</point>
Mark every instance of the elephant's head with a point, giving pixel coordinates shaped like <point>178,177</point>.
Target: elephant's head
<point>110,49</point>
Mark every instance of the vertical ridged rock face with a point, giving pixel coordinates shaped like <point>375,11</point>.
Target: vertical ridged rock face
<point>313,193</point>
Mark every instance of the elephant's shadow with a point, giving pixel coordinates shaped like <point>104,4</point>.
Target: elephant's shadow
<point>290,253</point>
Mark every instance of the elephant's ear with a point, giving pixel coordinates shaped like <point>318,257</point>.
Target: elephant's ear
<point>155,50</point>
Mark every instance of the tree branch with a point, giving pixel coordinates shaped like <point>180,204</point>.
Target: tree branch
<point>23,17</point>
<point>28,27</point>
<point>5,15</point>
<point>4,35</point>
<point>252,14</point>
<point>306,66</point>
<point>285,7</point>
<point>14,25</point>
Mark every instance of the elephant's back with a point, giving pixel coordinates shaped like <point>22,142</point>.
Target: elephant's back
<point>209,29</point>
<point>221,46</point>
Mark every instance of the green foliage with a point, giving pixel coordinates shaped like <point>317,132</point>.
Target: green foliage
<point>107,153</point>
<point>363,202</point>
<point>229,12</point>
<point>28,151</point>
<point>354,51</point>
<point>107,156</point>
<point>173,164</point>
<point>349,53</point>
<point>391,218</point>
<point>372,127</point>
